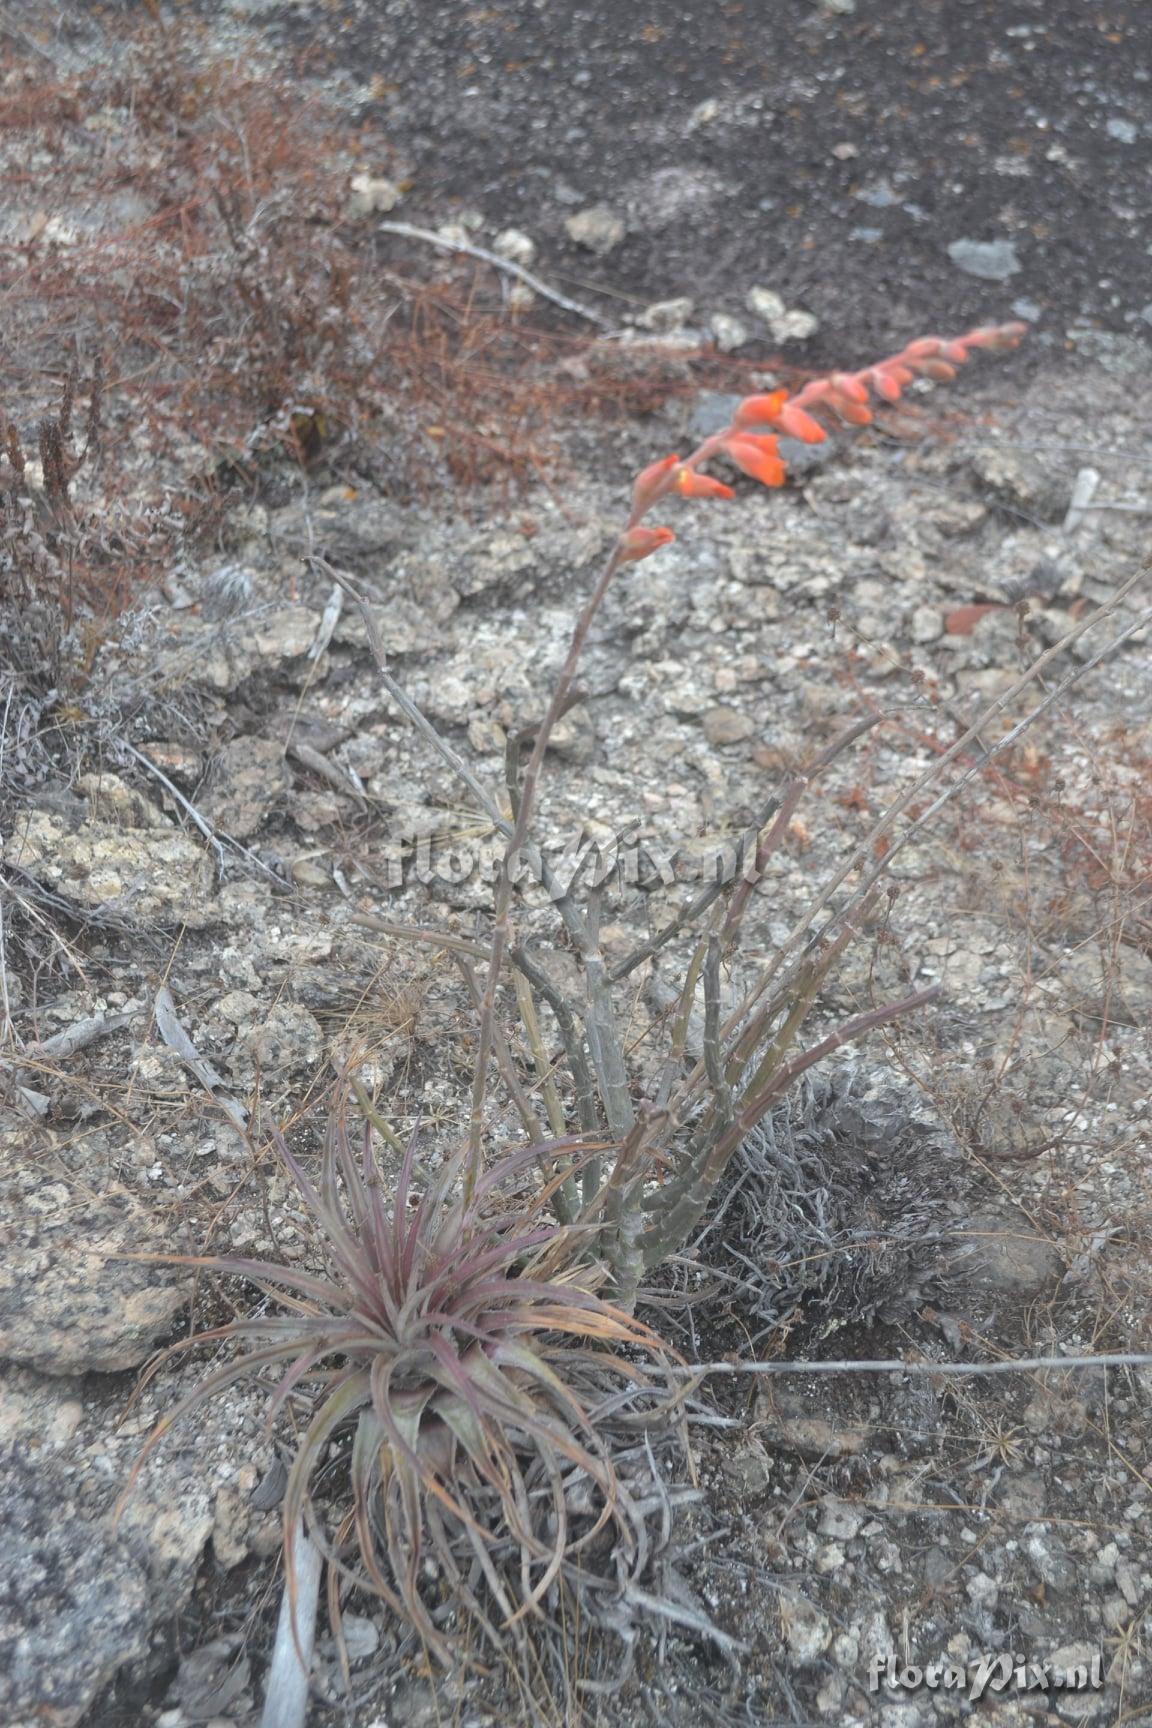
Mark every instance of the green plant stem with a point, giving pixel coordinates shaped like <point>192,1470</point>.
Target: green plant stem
<point>502,928</point>
<point>607,1055</point>
<point>769,840</point>
<point>382,1128</point>
<point>713,1059</point>
<point>553,1108</point>
<point>506,1064</point>
<point>564,1198</point>
<point>682,1021</point>
<point>670,1233</point>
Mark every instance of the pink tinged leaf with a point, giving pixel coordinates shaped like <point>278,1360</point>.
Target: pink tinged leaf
<point>924,349</point>
<point>349,1397</point>
<point>956,352</point>
<point>299,1371</point>
<point>342,1242</point>
<point>366,1449</point>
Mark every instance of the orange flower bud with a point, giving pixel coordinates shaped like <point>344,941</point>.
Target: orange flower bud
<point>999,338</point>
<point>796,423</point>
<point>692,485</point>
<point>641,542</point>
<point>846,385</point>
<point>760,410</point>
<point>937,369</point>
<point>753,459</point>
<point>652,482</point>
<point>884,384</point>
<point>854,412</point>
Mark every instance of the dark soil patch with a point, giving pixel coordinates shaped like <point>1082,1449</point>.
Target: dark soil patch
<point>835,158</point>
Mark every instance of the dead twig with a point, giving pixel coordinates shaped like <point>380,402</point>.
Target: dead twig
<point>414,715</point>
<point>406,231</point>
<point>176,1038</point>
<point>75,1038</point>
<point>215,840</point>
<point>413,933</point>
<point>895,1365</point>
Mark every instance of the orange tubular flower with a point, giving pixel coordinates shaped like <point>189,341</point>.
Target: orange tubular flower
<point>642,542</point>
<point>766,441</point>
<point>692,485</point>
<point>796,423</point>
<point>652,482</point>
<point>753,457</point>
<point>760,410</point>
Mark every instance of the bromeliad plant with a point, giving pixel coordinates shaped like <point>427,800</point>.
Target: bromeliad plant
<point>462,1372</point>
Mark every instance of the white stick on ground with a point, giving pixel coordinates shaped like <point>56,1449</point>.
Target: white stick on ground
<point>922,1366</point>
<point>286,1694</point>
<point>407,232</point>
<point>1083,492</point>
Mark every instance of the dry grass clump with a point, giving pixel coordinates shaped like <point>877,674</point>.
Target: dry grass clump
<point>241,305</point>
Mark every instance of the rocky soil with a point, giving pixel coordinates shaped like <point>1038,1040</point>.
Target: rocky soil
<point>188,838</point>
